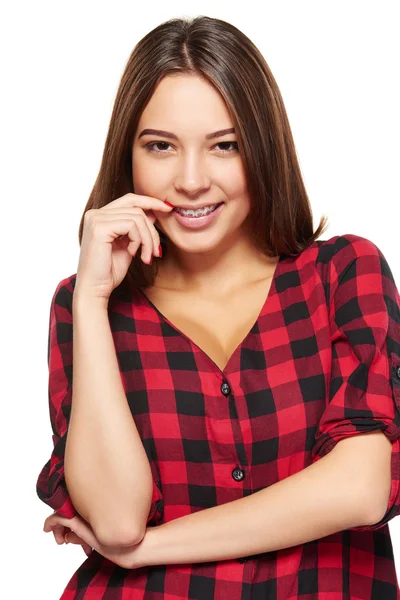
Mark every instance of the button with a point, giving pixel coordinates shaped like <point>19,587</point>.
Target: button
<point>238,474</point>
<point>243,559</point>
<point>398,372</point>
<point>226,388</point>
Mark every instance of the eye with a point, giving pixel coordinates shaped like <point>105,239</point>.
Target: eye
<point>229,143</point>
<point>152,147</point>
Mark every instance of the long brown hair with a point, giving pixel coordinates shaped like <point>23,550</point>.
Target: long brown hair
<point>280,217</point>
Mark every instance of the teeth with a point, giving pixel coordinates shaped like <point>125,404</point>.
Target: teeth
<point>196,213</point>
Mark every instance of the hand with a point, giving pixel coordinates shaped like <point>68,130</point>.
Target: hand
<point>80,532</point>
<point>61,531</point>
<point>111,237</point>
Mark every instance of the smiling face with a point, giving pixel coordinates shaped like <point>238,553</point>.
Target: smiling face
<point>187,167</point>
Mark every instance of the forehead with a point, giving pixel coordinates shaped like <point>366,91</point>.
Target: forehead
<point>182,102</point>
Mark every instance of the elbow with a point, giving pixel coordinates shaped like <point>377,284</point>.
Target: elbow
<point>366,509</point>
<point>123,537</point>
<point>376,497</point>
<point>376,514</point>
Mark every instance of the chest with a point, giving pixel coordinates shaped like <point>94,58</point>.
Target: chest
<point>216,325</point>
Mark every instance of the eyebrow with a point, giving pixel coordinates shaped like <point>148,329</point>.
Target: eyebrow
<point>168,134</point>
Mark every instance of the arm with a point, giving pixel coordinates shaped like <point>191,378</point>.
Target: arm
<point>347,488</point>
<point>107,471</point>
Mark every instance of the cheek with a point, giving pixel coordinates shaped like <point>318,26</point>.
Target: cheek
<point>143,173</point>
<point>234,182</point>
<point>140,175</point>
<point>238,193</point>
<point>146,180</point>
<point>240,206</point>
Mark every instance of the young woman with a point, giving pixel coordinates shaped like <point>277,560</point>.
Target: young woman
<point>212,364</point>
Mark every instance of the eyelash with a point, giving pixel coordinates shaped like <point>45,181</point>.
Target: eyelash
<point>150,147</point>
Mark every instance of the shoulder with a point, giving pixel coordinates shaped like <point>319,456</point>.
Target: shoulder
<point>355,268</point>
<point>350,250</point>
<point>337,252</point>
<point>63,292</point>
<point>342,258</point>
<point>337,255</point>
<point>341,250</point>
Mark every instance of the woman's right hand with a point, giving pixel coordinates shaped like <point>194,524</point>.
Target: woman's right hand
<point>111,237</point>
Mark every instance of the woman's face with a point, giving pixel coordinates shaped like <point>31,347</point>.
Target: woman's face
<point>190,170</point>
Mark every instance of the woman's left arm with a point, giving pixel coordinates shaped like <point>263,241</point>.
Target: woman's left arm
<point>348,487</point>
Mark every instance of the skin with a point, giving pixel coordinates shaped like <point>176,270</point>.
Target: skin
<point>193,171</point>
<point>187,171</point>
<point>347,488</point>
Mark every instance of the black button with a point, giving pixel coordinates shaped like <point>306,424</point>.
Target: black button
<point>242,560</point>
<point>398,372</point>
<point>237,474</point>
<point>225,389</point>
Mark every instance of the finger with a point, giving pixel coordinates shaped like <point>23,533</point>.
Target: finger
<point>150,230</point>
<point>140,229</point>
<point>146,202</point>
<point>72,538</point>
<point>59,533</point>
<point>154,234</point>
<point>134,239</point>
<point>150,216</point>
<point>85,535</point>
<point>87,550</point>
<point>141,224</point>
<point>56,519</point>
<point>78,526</point>
<point>149,236</point>
<point>61,525</point>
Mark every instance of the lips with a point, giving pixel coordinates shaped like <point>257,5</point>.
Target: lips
<point>198,222</point>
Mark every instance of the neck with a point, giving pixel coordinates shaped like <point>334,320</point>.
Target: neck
<point>234,263</point>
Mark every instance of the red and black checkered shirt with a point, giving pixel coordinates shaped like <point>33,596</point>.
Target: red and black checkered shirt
<point>321,363</point>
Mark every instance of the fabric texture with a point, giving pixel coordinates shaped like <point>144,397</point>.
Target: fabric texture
<point>321,363</point>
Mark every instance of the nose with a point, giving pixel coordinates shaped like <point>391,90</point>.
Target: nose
<point>192,177</point>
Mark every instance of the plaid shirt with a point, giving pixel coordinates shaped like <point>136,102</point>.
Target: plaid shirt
<point>321,362</point>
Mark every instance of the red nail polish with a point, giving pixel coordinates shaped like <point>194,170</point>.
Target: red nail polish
<point>169,204</point>
<point>151,260</point>
<point>160,250</point>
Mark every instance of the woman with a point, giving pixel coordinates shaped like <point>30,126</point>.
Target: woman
<point>218,391</point>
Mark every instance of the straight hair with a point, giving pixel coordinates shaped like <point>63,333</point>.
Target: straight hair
<point>280,218</point>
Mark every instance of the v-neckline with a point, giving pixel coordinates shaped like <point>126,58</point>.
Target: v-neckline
<point>226,369</point>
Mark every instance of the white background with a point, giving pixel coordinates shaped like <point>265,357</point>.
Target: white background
<point>336,64</point>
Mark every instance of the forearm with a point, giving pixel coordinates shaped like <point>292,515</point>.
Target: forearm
<point>107,471</point>
<point>311,504</point>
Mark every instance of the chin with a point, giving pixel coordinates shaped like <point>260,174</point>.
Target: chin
<point>191,244</point>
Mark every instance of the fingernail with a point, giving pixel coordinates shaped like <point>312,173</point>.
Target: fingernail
<point>160,251</point>
<point>151,260</point>
<point>168,204</point>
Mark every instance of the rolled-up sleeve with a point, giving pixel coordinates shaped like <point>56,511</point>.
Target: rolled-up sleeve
<point>364,389</point>
<point>51,486</point>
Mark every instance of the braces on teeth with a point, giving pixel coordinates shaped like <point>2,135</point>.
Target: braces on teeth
<point>194,213</point>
